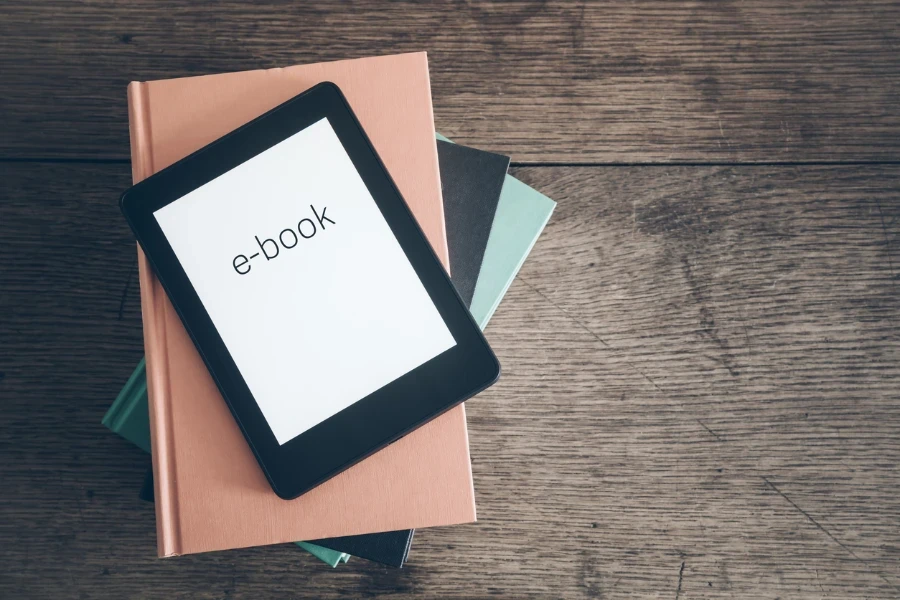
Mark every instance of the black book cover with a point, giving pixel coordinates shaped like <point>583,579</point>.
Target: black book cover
<point>390,548</point>
<point>471,181</point>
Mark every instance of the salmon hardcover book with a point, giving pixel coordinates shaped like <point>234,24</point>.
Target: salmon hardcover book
<point>210,491</point>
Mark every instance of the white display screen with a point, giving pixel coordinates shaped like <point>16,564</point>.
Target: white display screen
<point>304,280</point>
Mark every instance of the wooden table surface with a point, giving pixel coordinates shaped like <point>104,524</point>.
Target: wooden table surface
<point>700,395</point>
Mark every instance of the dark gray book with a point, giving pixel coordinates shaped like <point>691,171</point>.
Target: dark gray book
<point>471,181</point>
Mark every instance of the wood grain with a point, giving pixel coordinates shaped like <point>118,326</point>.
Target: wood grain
<point>570,81</point>
<point>699,400</point>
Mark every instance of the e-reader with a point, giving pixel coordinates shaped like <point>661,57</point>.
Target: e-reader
<point>312,295</point>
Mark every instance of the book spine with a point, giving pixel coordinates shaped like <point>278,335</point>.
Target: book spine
<point>168,535</point>
<point>443,251</point>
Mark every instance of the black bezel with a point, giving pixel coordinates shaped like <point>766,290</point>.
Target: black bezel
<point>381,417</point>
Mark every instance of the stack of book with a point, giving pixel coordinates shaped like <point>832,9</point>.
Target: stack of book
<point>209,491</point>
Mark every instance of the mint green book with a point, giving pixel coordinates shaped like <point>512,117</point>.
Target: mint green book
<point>521,216</point>
<point>129,415</point>
<point>327,556</point>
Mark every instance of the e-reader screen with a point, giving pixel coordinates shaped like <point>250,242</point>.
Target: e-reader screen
<point>304,280</point>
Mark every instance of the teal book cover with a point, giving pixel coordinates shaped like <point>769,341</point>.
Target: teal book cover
<point>521,216</point>
<point>327,556</point>
<point>129,415</point>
